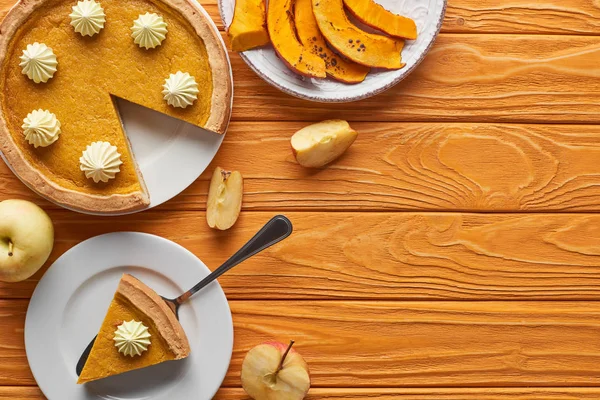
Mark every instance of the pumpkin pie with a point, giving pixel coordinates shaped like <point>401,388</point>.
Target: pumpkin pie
<point>92,70</point>
<point>134,301</point>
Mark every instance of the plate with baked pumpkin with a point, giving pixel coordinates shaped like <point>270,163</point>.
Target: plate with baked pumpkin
<point>332,50</point>
<point>108,106</point>
<point>109,285</point>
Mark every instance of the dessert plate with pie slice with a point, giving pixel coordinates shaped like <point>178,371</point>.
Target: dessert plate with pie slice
<point>71,300</point>
<point>69,67</point>
<point>428,16</point>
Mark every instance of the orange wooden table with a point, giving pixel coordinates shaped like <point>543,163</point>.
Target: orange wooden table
<point>452,253</point>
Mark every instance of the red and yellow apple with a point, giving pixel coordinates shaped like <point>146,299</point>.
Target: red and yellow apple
<point>275,371</point>
<point>319,144</point>
<point>26,239</point>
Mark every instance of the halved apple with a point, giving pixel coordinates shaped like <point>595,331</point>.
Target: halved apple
<point>280,22</point>
<point>319,144</point>
<point>224,199</point>
<point>368,49</point>
<point>373,14</point>
<point>249,26</point>
<point>308,32</point>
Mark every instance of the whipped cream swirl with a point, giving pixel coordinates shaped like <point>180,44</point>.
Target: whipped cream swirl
<point>149,30</point>
<point>41,128</point>
<point>132,338</point>
<point>38,62</point>
<point>100,161</point>
<point>180,89</point>
<point>88,17</point>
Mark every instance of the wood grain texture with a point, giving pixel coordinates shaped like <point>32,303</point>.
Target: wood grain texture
<point>402,256</point>
<point>399,344</point>
<point>33,393</point>
<point>579,17</point>
<point>465,78</point>
<point>410,166</point>
<point>437,394</point>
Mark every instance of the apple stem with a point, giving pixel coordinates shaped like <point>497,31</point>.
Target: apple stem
<point>10,248</point>
<point>280,367</point>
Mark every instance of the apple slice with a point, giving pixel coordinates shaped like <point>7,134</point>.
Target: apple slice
<point>249,26</point>
<point>368,49</point>
<point>374,15</point>
<point>319,144</point>
<point>280,22</point>
<point>224,199</point>
<point>274,371</point>
<point>309,35</point>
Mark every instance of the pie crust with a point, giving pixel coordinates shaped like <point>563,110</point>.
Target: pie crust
<point>151,304</point>
<point>220,110</point>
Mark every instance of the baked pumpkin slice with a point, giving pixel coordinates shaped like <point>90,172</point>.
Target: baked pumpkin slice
<point>282,30</point>
<point>139,330</point>
<point>376,16</point>
<point>248,28</point>
<point>91,72</point>
<point>309,35</point>
<point>364,48</point>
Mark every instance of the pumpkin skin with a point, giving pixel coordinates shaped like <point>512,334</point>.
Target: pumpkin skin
<point>249,26</point>
<point>281,26</point>
<point>374,15</point>
<point>364,48</point>
<point>336,66</point>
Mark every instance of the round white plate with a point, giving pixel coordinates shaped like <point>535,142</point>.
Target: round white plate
<point>70,302</point>
<point>428,15</point>
<point>171,153</point>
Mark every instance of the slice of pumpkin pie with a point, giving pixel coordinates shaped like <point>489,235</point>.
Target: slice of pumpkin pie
<point>139,330</point>
<point>62,64</point>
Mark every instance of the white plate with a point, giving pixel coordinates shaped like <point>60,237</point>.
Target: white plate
<point>171,153</point>
<point>428,15</point>
<point>69,304</point>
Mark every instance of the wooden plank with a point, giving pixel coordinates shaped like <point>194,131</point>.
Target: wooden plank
<point>33,393</point>
<point>437,394</point>
<point>14,369</point>
<point>465,78</point>
<point>405,166</point>
<point>378,255</point>
<point>578,17</point>
<point>399,344</point>
<point>21,393</point>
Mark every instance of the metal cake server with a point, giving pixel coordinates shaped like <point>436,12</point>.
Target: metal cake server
<point>274,231</point>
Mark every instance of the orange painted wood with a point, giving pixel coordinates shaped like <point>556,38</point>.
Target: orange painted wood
<point>410,166</point>
<point>33,393</point>
<point>465,78</point>
<point>399,344</point>
<point>402,256</point>
<point>437,394</point>
<point>572,17</point>
<point>502,116</point>
<point>578,17</point>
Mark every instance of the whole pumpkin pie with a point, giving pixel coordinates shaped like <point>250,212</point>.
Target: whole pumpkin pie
<point>88,57</point>
<point>139,330</point>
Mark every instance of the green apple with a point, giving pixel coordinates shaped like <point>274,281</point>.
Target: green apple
<point>274,371</point>
<point>26,239</point>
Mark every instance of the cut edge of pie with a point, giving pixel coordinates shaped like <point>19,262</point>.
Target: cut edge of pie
<point>220,112</point>
<point>147,301</point>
